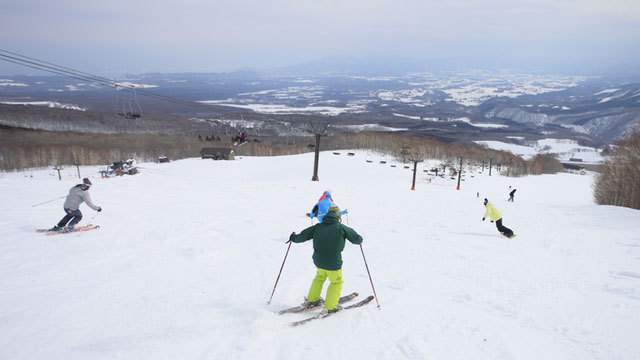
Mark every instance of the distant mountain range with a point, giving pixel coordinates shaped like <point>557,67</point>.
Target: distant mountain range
<point>606,114</point>
<point>452,106</point>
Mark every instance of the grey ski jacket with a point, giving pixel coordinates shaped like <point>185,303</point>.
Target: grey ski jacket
<point>76,197</point>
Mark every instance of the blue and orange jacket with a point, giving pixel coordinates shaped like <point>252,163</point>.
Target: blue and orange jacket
<point>320,209</point>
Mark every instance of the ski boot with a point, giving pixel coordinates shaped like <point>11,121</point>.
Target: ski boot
<point>311,304</point>
<point>332,311</point>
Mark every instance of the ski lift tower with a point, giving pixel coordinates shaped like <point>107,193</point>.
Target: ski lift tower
<point>58,168</point>
<point>319,129</point>
<point>415,158</point>
<point>459,174</point>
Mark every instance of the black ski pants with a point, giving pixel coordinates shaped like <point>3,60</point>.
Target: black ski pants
<point>74,215</point>
<point>503,229</point>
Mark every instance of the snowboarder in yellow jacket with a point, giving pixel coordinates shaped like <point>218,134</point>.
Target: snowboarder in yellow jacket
<point>496,216</point>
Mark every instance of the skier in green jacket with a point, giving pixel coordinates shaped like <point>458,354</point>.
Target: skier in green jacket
<point>328,242</point>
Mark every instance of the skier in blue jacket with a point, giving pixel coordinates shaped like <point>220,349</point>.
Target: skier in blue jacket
<point>321,208</point>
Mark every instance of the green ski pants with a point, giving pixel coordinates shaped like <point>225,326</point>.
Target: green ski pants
<point>333,291</point>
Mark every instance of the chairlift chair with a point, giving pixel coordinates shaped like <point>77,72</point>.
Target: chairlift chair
<point>130,108</point>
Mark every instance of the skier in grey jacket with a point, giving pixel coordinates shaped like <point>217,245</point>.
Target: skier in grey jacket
<point>77,195</point>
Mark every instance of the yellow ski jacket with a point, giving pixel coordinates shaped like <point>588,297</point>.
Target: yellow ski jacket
<point>492,212</point>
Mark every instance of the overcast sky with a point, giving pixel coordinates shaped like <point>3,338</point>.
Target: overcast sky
<point>118,36</point>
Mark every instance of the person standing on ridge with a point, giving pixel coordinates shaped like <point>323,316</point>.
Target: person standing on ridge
<point>496,216</point>
<point>236,139</point>
<point>511,194</point>
<point>325,201</point>
<point>328,242</point>
<point>77,195</point>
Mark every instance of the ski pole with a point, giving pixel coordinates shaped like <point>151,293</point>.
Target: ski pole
<point>367,266</point>
<point>281,267</point>
<point>42,203</point>
<point>90,222</point>
<point>93,217</point>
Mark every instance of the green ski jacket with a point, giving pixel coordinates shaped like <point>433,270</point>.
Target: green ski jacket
<point>328,241</point>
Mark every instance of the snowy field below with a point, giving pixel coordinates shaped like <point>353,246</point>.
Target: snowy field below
<point>188,252</point>
<point>564,149</point>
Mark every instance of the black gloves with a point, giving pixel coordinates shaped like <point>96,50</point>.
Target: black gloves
<point>291,237</point>
<point>99,209</point>
<point>482,219</point>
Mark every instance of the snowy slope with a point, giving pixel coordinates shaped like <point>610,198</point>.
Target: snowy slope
<point>189,251</point>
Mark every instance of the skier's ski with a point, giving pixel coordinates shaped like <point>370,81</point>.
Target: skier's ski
<point>301,308</point>
<point>322,316</point>
<point>77,229</point>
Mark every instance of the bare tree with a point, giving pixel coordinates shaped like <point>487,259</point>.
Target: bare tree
<point>618,183</point>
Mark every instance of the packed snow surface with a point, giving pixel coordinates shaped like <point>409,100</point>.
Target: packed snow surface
<point>188,253</point>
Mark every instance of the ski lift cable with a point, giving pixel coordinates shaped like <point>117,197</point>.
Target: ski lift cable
<point>62,70</point>
<point>38,67</point>
<point>59,69</point>
<point>51,69</point>
<point>79,75</point>
<point>57,66</point>
<point>75,73</point>
<point>106,82</point>
<point>91,78</point>
<point>33,65</point>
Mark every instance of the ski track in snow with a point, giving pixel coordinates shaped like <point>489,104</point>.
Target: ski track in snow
<point>188,252</point>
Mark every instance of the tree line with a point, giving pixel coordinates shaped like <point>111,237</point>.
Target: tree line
<point>21,149</point>
<point>618,183</point>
